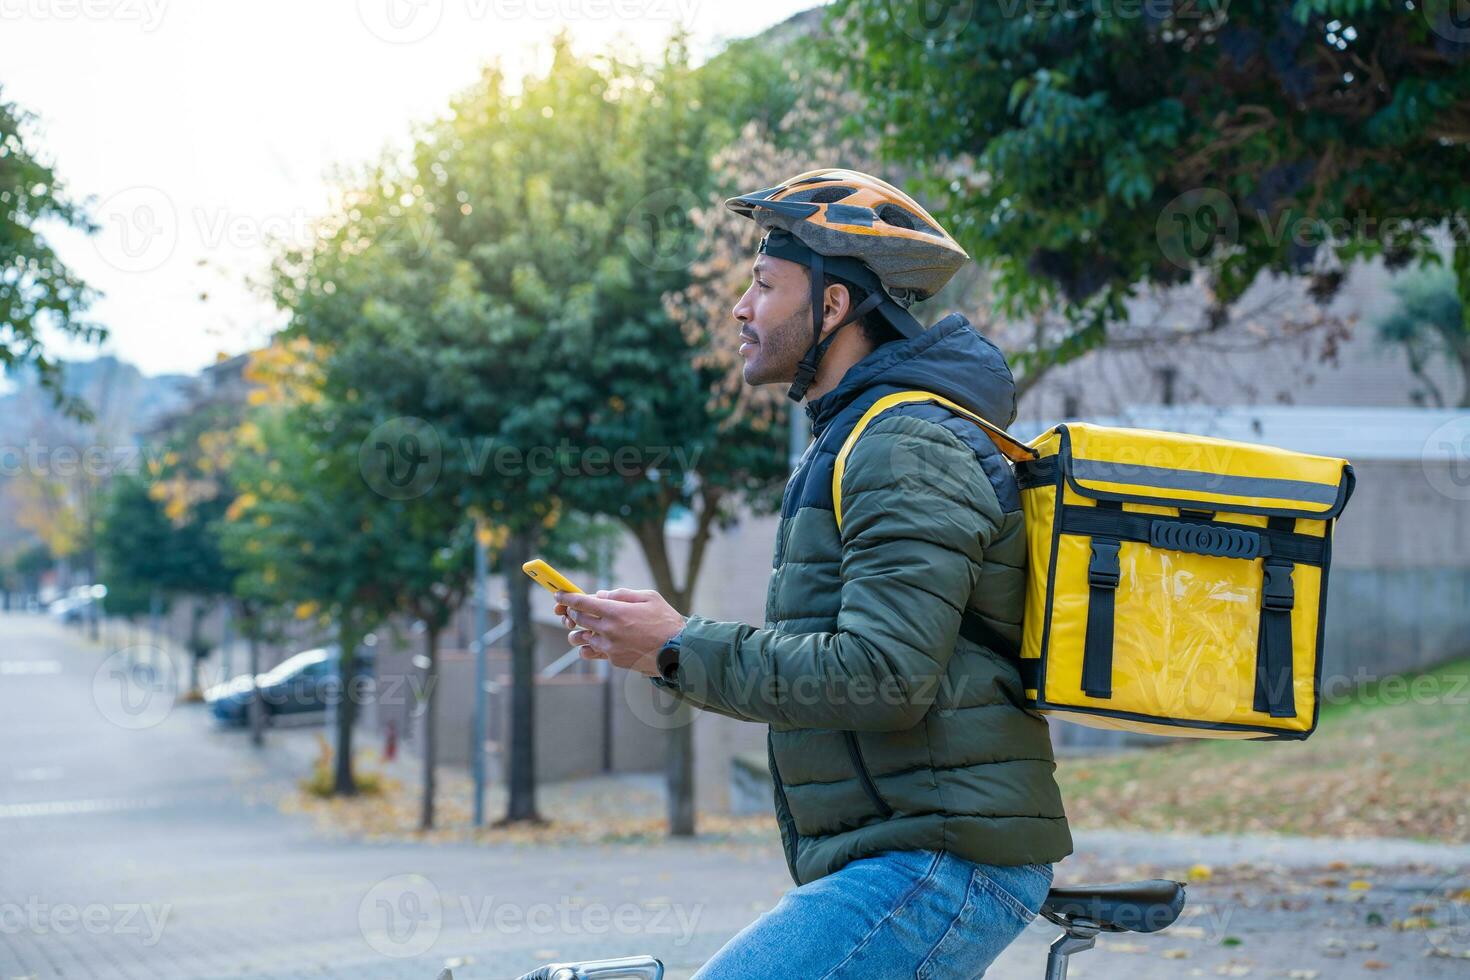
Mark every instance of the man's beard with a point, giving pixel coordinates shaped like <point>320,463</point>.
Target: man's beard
<point>781,350</point>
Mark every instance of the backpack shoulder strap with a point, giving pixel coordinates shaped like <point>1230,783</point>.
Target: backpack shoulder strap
<point>1010,447</point>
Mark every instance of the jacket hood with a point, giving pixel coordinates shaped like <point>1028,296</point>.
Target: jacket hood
<point>949,359</point>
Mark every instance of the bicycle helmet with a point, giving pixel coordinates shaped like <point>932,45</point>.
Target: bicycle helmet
<point>865,232</point>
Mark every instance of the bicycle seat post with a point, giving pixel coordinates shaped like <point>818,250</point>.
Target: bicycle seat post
<point>1078,935</point>
<point>1086,910</point>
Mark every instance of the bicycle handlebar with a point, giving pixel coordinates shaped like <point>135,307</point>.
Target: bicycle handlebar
<point>623,968</point>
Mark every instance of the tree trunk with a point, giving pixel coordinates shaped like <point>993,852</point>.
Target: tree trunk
<point>431,683</point>
<point>1462,349</point>
<point>195,645</point>
<point>343,783</point>
<point>255,709</point>
<point>521,772</point>
<point>1462,356</point>
<point>679,765</point>
<point>94,607</point>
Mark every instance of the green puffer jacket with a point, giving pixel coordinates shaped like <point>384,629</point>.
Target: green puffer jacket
<point>887,729</point>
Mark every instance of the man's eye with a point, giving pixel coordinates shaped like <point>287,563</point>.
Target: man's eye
<point>761,284</point>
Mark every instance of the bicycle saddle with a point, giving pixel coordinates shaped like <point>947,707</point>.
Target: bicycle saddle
<point>1135,906</point>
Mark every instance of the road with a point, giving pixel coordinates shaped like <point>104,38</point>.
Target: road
<point>138,841</point>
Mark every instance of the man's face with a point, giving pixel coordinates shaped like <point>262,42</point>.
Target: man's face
<point>775,317</point>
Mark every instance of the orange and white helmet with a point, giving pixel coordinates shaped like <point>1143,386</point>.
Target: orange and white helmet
<point>862,230</point>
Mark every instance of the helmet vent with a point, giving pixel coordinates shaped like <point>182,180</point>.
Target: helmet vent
<point>821,195</point>
<point>902,217</point>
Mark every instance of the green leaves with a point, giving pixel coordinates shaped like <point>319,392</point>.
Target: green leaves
<point>37,290</point>
<point>1098,127</point>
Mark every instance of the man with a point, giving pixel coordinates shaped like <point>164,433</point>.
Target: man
<point>913,789</point>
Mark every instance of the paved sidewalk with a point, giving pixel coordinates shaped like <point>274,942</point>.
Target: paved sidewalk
<point>158,851</point>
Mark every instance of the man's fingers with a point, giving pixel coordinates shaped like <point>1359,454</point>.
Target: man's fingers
<point>590,605</point>
<point>631,595</point>
<point>596,647</point>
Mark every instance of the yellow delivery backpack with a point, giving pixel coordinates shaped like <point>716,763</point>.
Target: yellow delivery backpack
<point>1177,584</point>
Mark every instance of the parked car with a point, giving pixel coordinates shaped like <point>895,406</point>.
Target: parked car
<point>76,605</point>
<point>304,684</point>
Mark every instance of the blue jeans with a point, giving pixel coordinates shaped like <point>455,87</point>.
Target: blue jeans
<point>916,914</point>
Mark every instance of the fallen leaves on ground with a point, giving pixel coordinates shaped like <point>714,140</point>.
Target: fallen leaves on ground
<point>595,810</point>
<point>1382,770</point>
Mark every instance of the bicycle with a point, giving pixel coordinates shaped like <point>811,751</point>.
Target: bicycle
<point>1083,911</point>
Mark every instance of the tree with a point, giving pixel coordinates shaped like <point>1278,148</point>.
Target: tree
<point>37,291</point>
<point>305,532</point>
<point>1109,147</point>
<point>503,284</point>
<point>190,483</point>
<point>135,546</point>
<point>1427,321</point>
<point>607,160</point>
<point>22,570</point>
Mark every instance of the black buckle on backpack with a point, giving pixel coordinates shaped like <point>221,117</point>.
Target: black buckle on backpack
<point>1277,593</point>
<point>1103,571</point>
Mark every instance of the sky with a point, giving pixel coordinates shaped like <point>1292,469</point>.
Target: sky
<point>203,133</point>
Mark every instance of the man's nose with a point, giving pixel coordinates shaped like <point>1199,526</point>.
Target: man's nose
<point>742,309</point>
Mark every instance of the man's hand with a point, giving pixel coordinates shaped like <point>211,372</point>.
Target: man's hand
<point>625,627</point>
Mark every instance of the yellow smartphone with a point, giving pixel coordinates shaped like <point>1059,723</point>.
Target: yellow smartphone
<point>547,577</point>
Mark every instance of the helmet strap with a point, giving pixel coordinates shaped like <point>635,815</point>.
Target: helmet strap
<point>806,370</point>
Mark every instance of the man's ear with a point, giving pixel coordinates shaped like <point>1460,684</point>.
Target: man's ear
<point>836,302</point>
